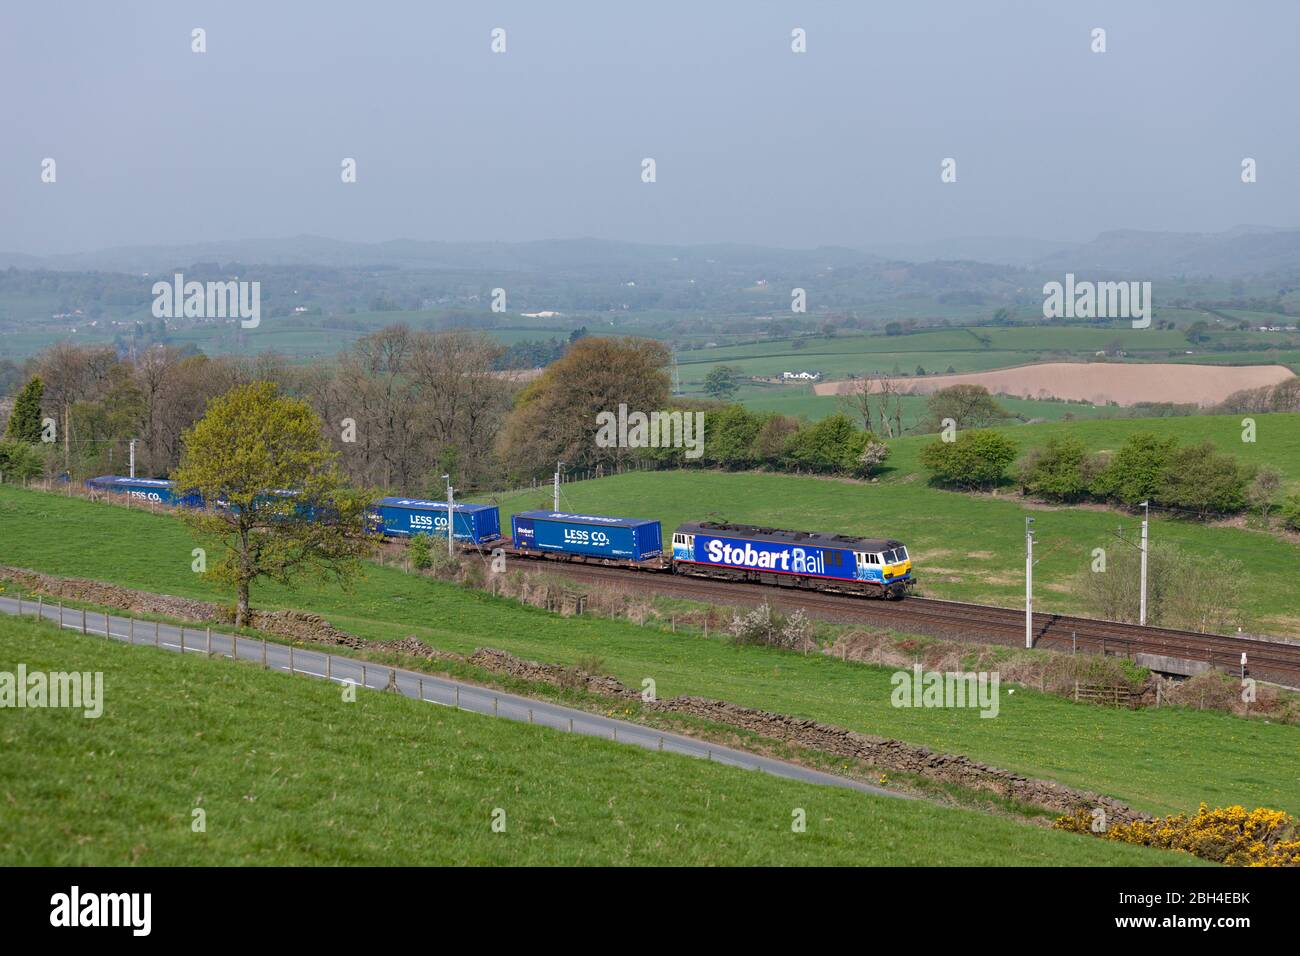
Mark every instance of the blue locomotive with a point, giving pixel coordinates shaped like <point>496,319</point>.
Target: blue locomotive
<point>838,563</point>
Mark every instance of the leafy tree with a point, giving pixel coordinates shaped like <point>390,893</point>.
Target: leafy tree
<point>832,445</point>
<point>1182,590</point>
<point>975,460</point>
<point>774,437</point>
<point>1263,489</point>
<point>722,382</point>
<point>19,460</point>
<point>1059,470</point>
<point>1290,512</point>
<point>555,415</point>
<point>1198,331</point>
<point>276,503</point>
<point>1205,481</point>
<point>729,436</point>
<point>1137,471</point>
<point>25,421</point>
<point>873,456</point>
<point>970,406</point>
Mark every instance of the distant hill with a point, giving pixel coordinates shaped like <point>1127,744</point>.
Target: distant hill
<point>563,255</point>
<point>1245,250</point>
<point>1242,251</point>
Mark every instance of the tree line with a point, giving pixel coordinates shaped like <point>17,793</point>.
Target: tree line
<point>1195,479</point>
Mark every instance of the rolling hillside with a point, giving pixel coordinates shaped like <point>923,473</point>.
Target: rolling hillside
<point>289,774</point>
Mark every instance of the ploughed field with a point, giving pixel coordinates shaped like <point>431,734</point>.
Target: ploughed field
<point>1099,382</point>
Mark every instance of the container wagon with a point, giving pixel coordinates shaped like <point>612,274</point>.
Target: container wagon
<point>819,561</point>
<point>158,490</point>
<point>403,517</point>
<point>594,539</point>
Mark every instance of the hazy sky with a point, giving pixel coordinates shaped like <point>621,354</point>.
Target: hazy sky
<point>753,143</point>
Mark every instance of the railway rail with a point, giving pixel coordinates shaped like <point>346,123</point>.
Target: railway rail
<point>1270,660</point>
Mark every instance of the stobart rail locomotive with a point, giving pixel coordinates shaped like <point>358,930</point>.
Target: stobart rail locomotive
<point>819,561</point>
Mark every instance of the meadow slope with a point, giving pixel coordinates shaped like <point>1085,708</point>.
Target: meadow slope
<point>286,772</point>
<point>1159,760</point>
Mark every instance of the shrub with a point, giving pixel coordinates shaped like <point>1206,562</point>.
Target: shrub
<point>1136,472</point>
<point>768,628</point>
<point>872,457</point>
<point>1290,512</point>
<point>729,437</point>
<point>977,459</point>
<point>1203,480</point>
<point>1059,470</point>
<point>1231,835</point>
<point>19,460</point>
<point>1183,590</point>
<point>832,445</point>
<point>421,552</point>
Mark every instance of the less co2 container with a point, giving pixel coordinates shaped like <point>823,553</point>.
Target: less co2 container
<point>403,517</point>
<point>632,539</point>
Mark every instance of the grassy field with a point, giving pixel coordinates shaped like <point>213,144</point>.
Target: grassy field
<point>799,400</point>
<point>1161,760</point>
<point>971,547</point>
<point>287,773</point>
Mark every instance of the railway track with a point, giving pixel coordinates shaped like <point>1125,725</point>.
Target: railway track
<point>1274,661</point>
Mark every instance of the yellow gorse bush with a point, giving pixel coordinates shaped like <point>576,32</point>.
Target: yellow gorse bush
<point>1231,835</point>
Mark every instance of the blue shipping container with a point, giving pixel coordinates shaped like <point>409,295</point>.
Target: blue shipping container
<point>633,538</point>
<point>403,517</point>
<point>146,489</point>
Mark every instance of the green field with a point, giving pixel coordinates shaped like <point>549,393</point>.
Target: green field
<point>971,547</point>
<point>799,400</point>
<point>975,349</point>
<point>1161,760</point>
<point>288,773</point>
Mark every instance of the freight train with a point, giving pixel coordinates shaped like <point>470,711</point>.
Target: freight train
<point>818,561</point>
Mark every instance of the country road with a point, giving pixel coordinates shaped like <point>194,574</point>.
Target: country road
<point>437,691</point>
